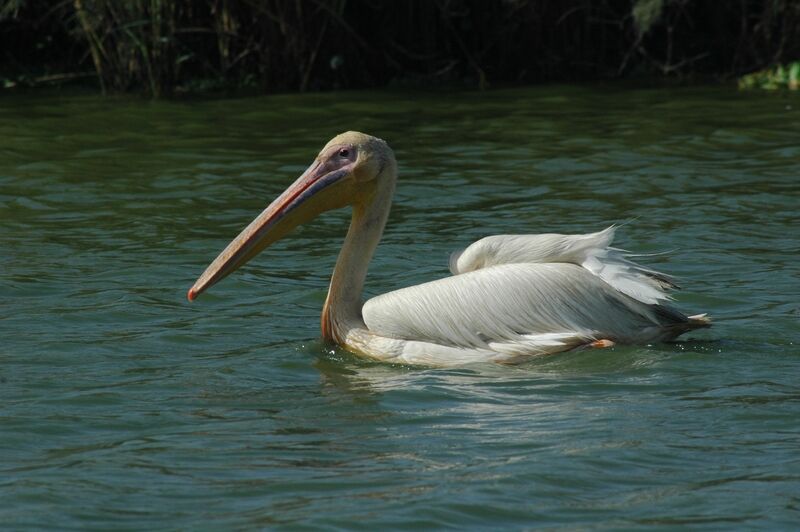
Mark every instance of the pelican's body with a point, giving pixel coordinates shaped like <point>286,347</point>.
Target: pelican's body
<point>511,296</point>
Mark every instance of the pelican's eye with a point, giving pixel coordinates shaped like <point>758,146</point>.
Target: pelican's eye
<point>344,153</point>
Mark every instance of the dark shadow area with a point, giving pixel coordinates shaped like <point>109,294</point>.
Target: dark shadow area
<point>163,47</point>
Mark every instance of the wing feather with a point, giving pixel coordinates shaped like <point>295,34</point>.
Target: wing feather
<point>591,251</point>
<point>515,306</point>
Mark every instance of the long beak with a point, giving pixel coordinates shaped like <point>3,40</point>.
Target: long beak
<point>299,203</point>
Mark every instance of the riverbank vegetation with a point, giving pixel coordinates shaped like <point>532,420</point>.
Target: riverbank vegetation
<point>161,47</point>
<point>777,77</point>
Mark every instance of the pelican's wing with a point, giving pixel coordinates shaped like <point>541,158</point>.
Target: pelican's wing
<point>591,251</point>
<point>517,309</point>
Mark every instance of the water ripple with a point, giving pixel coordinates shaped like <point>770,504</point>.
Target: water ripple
<point>125,407</point>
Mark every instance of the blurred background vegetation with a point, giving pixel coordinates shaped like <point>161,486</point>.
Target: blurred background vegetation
<point>160,47</point>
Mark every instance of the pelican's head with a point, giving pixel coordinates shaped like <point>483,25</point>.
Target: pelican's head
<point>349,170</point>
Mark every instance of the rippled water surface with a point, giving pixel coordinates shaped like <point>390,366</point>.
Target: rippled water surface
<point>122,406</point>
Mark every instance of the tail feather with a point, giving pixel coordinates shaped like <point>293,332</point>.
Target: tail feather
<point>698,321</point>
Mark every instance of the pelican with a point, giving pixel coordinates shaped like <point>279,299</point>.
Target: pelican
<point>510,298</point>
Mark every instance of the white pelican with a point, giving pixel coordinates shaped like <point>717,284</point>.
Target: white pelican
<point>511,296</point>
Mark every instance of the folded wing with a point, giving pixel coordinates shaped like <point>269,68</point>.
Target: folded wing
<point>593,252</point>
<point>518,308</point>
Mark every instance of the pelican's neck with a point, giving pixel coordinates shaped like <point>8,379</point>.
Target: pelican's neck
<point>342,310</point>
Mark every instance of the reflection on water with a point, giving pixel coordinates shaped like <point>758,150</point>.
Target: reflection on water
<point>124,406</point>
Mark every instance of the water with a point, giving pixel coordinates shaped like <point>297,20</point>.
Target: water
<point>123,406</point>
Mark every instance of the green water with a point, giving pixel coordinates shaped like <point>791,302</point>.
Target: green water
<point>124,407</point>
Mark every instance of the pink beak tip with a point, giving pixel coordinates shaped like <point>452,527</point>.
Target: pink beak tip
<point>191,295</point>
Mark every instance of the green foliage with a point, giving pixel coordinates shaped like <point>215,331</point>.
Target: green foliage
<point>160,47</point>
<point>132,43</point>
<point>646,13</point>
<point>9,9</point>
<point>777,77</point>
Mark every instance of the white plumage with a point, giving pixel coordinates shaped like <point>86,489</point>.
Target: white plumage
<point>511,296</point>
<point>523,295</point>
<point>591,251</point>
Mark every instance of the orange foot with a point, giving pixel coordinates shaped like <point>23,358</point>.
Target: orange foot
<point>602,343</point>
